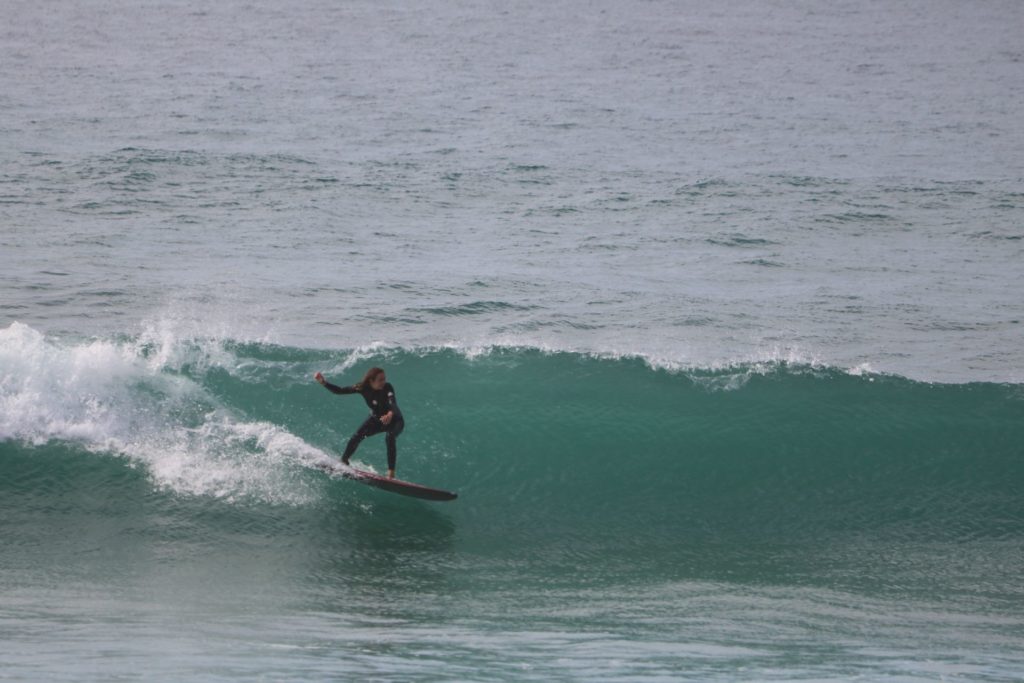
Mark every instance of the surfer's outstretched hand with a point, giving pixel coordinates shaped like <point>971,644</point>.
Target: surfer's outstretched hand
<point>319,378</point>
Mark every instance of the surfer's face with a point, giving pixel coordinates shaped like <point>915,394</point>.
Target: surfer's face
<point>378,381</point>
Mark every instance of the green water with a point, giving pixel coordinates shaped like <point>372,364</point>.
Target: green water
<point>614,520</point>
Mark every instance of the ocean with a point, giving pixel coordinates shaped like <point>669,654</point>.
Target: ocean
<point>710,313</point>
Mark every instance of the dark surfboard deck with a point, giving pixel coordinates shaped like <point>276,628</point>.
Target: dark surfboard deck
<point>404,488</point>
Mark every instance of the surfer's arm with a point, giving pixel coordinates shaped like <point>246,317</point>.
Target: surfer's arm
<point>393,402</point>
<point>334,388</point>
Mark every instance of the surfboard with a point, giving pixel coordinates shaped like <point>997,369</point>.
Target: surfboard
<point>404,488</point>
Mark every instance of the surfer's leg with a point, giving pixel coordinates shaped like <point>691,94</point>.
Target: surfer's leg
<point>394,429</point>
<point>368,428</point>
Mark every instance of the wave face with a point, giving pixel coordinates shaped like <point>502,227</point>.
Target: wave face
<point>546,449</point>
<point>603,503</point>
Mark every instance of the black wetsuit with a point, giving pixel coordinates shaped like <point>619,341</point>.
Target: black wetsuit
<point>381,402</point>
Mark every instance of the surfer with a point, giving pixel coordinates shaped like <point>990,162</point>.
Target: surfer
<point>384,413</point>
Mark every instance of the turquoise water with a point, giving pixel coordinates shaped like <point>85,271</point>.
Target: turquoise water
<point>615,520</point>
<point>711,314</point>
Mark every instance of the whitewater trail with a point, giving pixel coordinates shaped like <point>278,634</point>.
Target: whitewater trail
<point>128,398</point>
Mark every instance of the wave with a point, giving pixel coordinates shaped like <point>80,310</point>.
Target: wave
<point>135,398</point>
<point>542,445</point>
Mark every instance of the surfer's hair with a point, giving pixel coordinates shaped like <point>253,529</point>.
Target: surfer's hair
<point>370,375</point>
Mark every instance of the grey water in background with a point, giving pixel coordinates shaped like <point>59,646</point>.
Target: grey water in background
<point>697,183</point>
<point>832,190</point>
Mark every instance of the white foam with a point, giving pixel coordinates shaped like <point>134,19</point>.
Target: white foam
<point>724,374</point>
<point>118,397</point>
<point>860,370</point>
<point>362,353</point>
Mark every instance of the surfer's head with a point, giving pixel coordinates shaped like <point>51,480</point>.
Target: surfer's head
<point>374,378</point>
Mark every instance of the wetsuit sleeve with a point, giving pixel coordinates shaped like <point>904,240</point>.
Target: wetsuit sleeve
<point>393,402</point>
<point>335,389</point>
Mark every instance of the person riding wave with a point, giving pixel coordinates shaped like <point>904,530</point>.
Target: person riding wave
<point>385,415</point>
